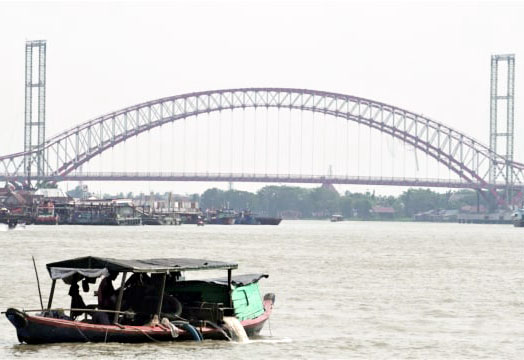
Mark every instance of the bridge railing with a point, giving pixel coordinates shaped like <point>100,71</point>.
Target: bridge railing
<point>137,174</point>
<point>248,177</point>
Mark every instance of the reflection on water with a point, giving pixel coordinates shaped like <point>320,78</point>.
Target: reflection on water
<point>343,290</point>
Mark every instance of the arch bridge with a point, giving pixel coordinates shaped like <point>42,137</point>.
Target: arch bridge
<point>470,160</point>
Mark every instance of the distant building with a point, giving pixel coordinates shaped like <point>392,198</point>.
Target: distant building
<point>449,215</point>
<point>321,214</point>
<point>438,215</point>
<point>290,214</point>
<point>383,212</point>
<point>167,202</point>
<point>55,195</point>
<point>468,209</point>
<point>17,200</point>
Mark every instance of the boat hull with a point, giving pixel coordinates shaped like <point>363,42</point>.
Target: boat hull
<point>518,223</point>
<point>43,330</point>
<point>160,221</point>
<point>264,220</point>
<point>222,221</point>
<point>46,220</point>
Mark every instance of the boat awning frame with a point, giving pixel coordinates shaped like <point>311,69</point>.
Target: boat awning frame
<point>58,270</point>
<point>238,280</point>
<point>66,273</point>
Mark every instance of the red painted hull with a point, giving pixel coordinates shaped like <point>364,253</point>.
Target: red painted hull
<point>46,220</point>
<point>41,330</point>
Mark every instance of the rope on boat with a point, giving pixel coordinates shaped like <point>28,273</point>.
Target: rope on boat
<point>147,335</point>
<point>81,332</point>
<point>107,330</point>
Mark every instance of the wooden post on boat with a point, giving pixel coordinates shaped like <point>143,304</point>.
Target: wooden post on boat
<point>159,309</point>
<point>38,283</point>
<point>229,291</point>
<point>50,301</point>
<point>119,300</point>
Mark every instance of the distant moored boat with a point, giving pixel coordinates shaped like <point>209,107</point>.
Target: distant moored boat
<point>336,218</point>
<point>518,218</point>
<point>266,220</point>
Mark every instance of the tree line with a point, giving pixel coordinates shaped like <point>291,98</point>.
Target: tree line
<point>324,201</point>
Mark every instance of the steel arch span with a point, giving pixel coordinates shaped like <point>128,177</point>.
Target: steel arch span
<point>463,155</point>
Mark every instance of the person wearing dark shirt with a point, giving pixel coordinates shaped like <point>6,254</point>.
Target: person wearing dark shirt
<point>106,299</point>
<point>106,292</point>
<point>76,300</point>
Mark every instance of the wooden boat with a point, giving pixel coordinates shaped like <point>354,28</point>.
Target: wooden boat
<point>336,218</point>
<point>13,219</point>
<point>204,309</point>
<point>246,217</point>
<point>518,218</point>
<point>221,217</point>
<point>45,214</point>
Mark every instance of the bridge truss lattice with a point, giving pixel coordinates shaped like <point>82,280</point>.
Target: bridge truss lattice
<point>472,161</point>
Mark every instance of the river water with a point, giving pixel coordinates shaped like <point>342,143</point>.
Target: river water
<point>368,290</point>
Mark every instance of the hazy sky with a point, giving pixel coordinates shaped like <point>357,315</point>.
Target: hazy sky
<point>428,57</point>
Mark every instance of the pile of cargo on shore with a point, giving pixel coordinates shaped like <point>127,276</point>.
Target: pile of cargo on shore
<point>53,207</point>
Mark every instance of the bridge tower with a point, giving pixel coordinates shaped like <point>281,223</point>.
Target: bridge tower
<point>34,130</point>
<point>502,135</point>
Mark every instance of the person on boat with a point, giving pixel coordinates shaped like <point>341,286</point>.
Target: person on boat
<point>106,292</point>
<point>106,299</point>
<point>76,299</point>
<point>86,282</point>
<point>141,296</point>
<point>133,298</point>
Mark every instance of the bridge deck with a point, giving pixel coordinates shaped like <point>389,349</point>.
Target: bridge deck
<point>269,178</point>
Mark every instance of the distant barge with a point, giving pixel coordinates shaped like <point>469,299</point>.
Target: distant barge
<point>111,212</point>
<point>101,212</point>
<point>245,217</point>
<point>266,220</point>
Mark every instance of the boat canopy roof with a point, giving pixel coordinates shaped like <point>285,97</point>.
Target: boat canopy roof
<point>90,266</point>
<point>237,280</point>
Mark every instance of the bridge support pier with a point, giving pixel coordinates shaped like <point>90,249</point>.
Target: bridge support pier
<point>503,131</point>
<point>34,130</point>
